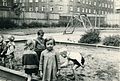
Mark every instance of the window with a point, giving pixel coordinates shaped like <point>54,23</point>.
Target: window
<point>23,4</point>
<point>78,9</point>
<point>102,4</point>
<point>30,0</point>
<point>90,2</point>
<point>4,3</point>
<point>42,0</point>
<point>89,10</point>
<point>20,1</point>
<point>3,0</point>
<point>83,1</point>
<point>51,8</point>
<point>83,10</point>
<point>71,0</point>
<point>99,5</point>
<point>51,0</point>
<point>60,8</point>
<point>111,6</point>
<point>99,11</point>
<point>36,0</point>
<point>106,5</point>
<point>86,10</point>
<point>23,0</point>
<point>43,8</point>
<point>36,9</point>
<point>78,0</point>
<point>23,9</point>
<point>94,3</point>
<point>31,9</point>
<point>71,8</point>
<point>106,12</point>
<point>94,11</point>
<point>102,12</point>
<point>15,1</point>
<point>87,2</point>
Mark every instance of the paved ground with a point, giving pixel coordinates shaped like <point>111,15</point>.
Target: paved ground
<point>98,56</point>
<point>67,37</point>
<point>3,79</point>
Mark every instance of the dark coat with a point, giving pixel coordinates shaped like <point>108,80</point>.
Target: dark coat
<point>30,60</point>
<point>39,44</point>
<point>3,49</point>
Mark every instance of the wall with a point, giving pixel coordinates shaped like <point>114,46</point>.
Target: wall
<point>113,19</point>
<point>29,17</point>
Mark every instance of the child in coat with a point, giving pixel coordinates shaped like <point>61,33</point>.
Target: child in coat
<point>3,50</point>
<point>10,52</point>
<point>49,61</point>
<point>30,60</point>
<point>39,43</point>
<point>75,57</point>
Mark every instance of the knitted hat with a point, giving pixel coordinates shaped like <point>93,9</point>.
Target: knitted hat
<point>11,38</point>
<point>29,44</point>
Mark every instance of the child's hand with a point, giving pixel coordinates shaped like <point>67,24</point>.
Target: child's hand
<point>41,74</point>
<point>1,53</point>
<point>58,73</point>
<point>82,66</point>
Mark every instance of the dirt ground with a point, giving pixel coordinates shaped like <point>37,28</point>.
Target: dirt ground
<point>101,64</point>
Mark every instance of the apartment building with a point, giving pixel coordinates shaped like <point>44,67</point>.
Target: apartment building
<point>117,6</point>
<point>63,9</point>
<point>5,8</point>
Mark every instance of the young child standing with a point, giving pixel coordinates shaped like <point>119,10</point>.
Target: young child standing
<point>3,50</point>
<point>39,43</point>
<point>49,61</point>
<point>30,60</point>
<point>10,52</point>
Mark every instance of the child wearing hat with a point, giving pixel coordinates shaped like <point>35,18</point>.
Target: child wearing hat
<point>2,50</point>
<point>39,43</point>
<point>30,60</point>
<point>49,61</point>
<point>75,57</point>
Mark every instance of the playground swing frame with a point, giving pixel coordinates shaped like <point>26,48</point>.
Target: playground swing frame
<point>82,18</point>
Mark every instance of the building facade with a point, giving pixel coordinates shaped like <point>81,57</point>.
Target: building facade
<point>114,19</point>
<point>52,10</point>
<point>5,8</point>
<point>68,6</point>
<point>117,6</point>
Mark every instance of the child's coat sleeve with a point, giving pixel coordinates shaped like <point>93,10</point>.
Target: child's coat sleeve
<point>58,61</point>
<point>41,62</point>
<point>65,63</point>
<point>11,49</point>
<point>4,48</point>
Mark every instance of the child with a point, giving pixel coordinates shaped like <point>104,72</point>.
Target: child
<point>30,59</point>
<point>3,49</point>
<point>75,57</point>
<point>49,61</point>
<point>39,43</point>
<point>10,52</point>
